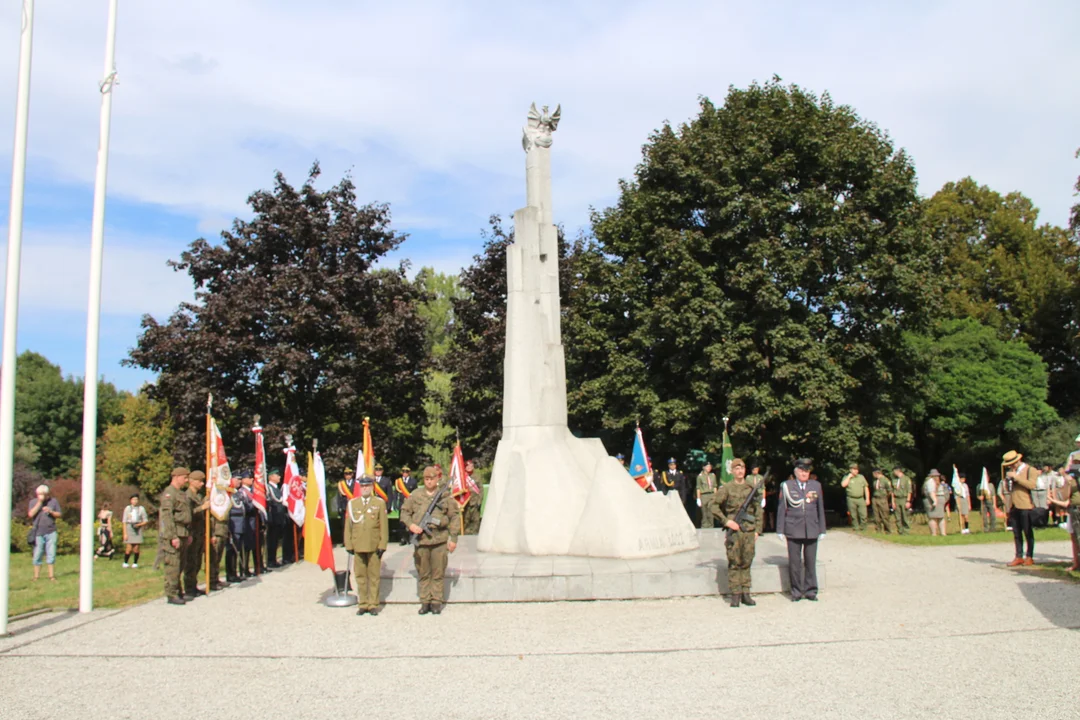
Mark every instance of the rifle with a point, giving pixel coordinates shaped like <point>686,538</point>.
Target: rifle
<point>426,520</point>
<point>742,517</point>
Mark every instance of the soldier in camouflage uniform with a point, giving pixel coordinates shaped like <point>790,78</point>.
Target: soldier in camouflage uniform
<point>431,554</point>
<point>194,559</point>
<point>175,511</point>
<point>740,538</point>
<point>470,514</point>
<point>706,488</point>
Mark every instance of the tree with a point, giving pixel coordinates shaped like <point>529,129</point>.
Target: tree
<point>1007,272</point>
<point>764,264</point>
<point>48,414</point>
<point>292,321</point>
<point>137,450</point>
<point>438,314</point>
<point>981,394</point>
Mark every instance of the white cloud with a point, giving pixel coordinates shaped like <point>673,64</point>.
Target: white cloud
<point>215,96</point>
<point>55,276</point>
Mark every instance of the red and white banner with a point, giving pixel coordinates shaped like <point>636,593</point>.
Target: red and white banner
<point>461,485</point>
<point>295,487</point>
<point>258,487</point>
<point>220,475</point>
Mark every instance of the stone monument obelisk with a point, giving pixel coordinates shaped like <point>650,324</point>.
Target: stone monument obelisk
<point>552,493</point>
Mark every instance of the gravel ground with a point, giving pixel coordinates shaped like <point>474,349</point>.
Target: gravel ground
<point>273,651</point>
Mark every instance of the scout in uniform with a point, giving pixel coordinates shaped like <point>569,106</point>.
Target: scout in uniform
<point>740,538</point>
<point>193,556</point>
<point>175,512</point>
<point>471,512</point>
<point>366,535</point>
<point>988,504</point>
<point>403,488</point>
<point>858,496</point>
<point>962,498</point>
<point>1069,500</point>
<point>706,487</point>
<point>1024,478</point>
<point>881,501</point>
<point>902,492</point>
<point>439,539</point>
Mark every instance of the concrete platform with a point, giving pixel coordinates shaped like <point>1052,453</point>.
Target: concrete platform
<point>472,576</point>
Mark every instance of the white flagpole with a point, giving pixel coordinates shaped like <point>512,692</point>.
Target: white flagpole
<point>11,303</point>
<point>93,319</point>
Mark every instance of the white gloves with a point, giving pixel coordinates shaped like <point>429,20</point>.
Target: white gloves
<point>821,536</point>
<point>699,502</point>
<point>782,538</point>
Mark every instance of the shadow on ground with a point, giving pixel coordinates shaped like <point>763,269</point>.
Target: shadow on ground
<point>1059,602</point>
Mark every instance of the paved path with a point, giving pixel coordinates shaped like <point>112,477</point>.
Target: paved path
<point>916,626</point>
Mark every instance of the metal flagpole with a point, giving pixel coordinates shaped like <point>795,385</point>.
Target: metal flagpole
<point>209,490</point>
<point>11,303</point>
<point>93,319</point>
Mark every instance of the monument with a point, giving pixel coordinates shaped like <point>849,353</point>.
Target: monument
<point>552,493</point>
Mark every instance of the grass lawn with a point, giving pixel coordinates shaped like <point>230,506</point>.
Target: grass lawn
<point>1053,570</point>
<point>920,534</point>
<point>114,586</point>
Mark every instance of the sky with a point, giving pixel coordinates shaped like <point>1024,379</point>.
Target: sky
<point>423,104</point>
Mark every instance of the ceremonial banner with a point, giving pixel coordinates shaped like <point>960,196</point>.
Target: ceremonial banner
<point>318,548</point>
<point>258,488</point>
<point>640,467</point>
<point>958,492</point>
<point>293,483</point>
<point>367,456</point>
<point>220,475</point>
<point>726,458</point>
<point>459,487</point>
<point>984,484</point>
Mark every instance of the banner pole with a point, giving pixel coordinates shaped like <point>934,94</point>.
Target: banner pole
<point>209,489</point>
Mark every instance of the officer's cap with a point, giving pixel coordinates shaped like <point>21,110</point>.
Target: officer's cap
<point>366,480</point>
<point>620,456</point>
<point>244,473</point>
<point>738,461</point>
<point>804,464</point>
<point>671,461</point>
<point>180,472</point>
<point>406,469</point>
<point>197,475</point>
<point>378,467</point>
<point>349,471</point>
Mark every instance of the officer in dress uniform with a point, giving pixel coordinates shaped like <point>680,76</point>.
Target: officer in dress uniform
<point>175,513</point>
<point>236,562</point>
<point>403,488</point>
<point>800,521</point>
<point>194,556</point>
<point>706,487</point>
<point>674,481</point>
<point>252,541</point>
<point>366,535</point>
<point>347,490</point>
<point>740,536</point>
<point>277,520</point>
<point>440,538</point>
<point>384,482</point>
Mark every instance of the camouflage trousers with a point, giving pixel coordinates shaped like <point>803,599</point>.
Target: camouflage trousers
<point>173,562</point>
<point>215,560</point>
<point>366,568</point>
<point>194,560</point>
<point>470,519</point>
<point>740,555</point>
<point>881,514</point>
<point>708,520</point>
<point>431,567</point>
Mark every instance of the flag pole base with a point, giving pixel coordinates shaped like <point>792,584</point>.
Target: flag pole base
<point>340,601</point>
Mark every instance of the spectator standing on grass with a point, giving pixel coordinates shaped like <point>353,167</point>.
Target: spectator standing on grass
<point>134,520</point>
<point>105,547</point>
<point>43,512</point>
<point>1071,505</point>
<point>935,495</point>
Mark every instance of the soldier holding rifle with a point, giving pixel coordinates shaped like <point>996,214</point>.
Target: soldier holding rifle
<point>431,516</point>
<point>736,507</point>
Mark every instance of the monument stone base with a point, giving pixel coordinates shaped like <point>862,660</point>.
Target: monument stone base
<point>473,576</point>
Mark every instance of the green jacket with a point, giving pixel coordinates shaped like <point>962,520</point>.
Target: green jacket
<point>447,524</point>
<point>366,526</point>
<point>857,487</point>
<point>706,483</point>
<point>882,488</point>
<point>729,498</point>
<point>175,510</point>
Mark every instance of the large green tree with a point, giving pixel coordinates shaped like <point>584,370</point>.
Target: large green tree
<point>765,261</point>
<point>979,395</point>
<point>437,310</point>
<point>1005,270</point>
<point>292,321</point>
<point>137,450</point>
<point>48,414</point>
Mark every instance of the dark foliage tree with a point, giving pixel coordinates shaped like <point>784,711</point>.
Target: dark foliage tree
<point>292,321</point>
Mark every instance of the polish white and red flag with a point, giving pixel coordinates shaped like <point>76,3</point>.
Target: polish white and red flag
<point>295,487</point>
<point>220,475</point>
<point>258,487</point>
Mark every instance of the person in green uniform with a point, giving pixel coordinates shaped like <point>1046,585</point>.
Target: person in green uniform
<point>706,487</point>
<point>367,532</point>
<point>175,512</point>
<point>740,537</point>
<point>435,541</point>
<point>194,559</point>
<point>903,493</point>
<point>881,500</point>
<point>219,539</point>
<point>858,496</point>
<point>470,514</point>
